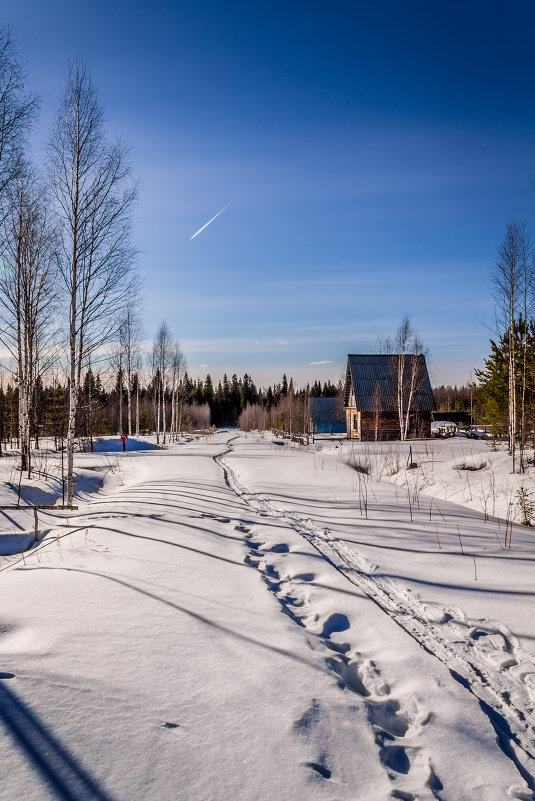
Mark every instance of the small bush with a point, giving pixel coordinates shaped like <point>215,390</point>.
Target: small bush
<point>470,466</point>
<point>360,466</point>
<point>526,504</point>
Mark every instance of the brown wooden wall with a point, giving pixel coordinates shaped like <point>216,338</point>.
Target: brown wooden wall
<point>388,426</point>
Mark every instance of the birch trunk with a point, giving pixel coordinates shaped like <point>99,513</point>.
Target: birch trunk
<point>137,407</point>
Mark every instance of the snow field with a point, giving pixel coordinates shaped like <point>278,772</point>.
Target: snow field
<point>246,634</point>
<point>484,655</point>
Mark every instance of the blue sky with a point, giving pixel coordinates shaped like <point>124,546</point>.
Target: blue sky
<point>370,155</point>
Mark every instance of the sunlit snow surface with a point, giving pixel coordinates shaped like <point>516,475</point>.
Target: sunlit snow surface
<point>232,619</point>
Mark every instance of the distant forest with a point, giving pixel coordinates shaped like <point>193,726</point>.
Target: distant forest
<point>192,405</point>
<point>453,399</point>
<point>188,405</point>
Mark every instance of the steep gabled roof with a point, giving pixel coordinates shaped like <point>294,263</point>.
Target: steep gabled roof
<point>377,373</point>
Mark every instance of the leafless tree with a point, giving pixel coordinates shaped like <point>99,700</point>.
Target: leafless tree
<point>130,345</point>
<point>93,190</point>
<point>28,299</point>
<point>198,416</point>
<point>376,409</point>
<point>18,109</point>
<point>161,358</point>
<point>512,281</point>
<point>178,366</point>
<point>407,363</point>
<point>252,418</point>
<point>116,358</point>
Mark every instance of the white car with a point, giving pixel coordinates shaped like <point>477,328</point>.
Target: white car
<point>443,428</point>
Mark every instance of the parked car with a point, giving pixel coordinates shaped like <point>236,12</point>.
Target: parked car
<point>443,428</point>
<point>476,432</point>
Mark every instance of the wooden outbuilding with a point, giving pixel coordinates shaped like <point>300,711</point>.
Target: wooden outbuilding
<point>326,416</point>
<point>385,394</point>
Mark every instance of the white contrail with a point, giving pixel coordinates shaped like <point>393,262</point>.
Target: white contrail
<point>208,223</point>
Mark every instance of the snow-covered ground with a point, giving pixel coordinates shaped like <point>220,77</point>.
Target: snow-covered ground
<point>232,618</point>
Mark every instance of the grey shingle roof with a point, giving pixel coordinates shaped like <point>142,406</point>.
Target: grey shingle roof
<point>366,372</point>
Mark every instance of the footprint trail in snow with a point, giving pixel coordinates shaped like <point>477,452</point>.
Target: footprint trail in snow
<point>483,656</point>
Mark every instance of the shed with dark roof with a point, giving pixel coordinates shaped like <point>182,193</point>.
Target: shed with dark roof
<point>326,416</point>
<point>387,396</point>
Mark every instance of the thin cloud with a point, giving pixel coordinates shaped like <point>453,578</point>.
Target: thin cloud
<point>323,361</point>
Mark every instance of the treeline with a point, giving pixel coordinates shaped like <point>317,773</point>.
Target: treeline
<point>231,398</point>
<point>455,398</point>
<point>187,405</point>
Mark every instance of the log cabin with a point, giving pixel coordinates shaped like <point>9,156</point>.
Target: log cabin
<point>377,387</point>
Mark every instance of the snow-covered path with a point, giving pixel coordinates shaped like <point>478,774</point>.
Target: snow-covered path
<point>186,639</point>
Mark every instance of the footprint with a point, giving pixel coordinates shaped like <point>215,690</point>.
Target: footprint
<point>386,716</point>
<point>297,603</point>
<point>492,638</point>
<point>319,769</point>
<point>271,572</point>
<point>282,548</point>
<point>349,673</point>
<point>305,577</point>
<point>309,720</point>
<point>243,529</point>
<point>339,648</point>
<point>394,758</point>
<point>335,623</point>
<point>435,785</point>
<point>524,672</point>
<point>372,678</point>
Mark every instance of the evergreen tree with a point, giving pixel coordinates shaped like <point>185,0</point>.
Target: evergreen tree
<point>208,391</point>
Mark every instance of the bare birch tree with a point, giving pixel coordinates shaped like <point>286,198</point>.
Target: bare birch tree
<point>130,346</point>
<point>93,190</point>
<point>27,294</point>
<point>116,364</point>
<point>407,364</point>
<point>178,367</point>
<point>161,357</point>
<point>512,288</point>
<point>18,109</point>
<point>376,409</point>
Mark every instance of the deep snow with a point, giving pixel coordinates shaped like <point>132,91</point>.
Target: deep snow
<point>231,619</point>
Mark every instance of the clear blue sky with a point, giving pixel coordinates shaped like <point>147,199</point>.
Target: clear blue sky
<point>370,155</point>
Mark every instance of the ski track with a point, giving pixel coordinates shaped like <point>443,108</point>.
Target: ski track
<point>482,655</point>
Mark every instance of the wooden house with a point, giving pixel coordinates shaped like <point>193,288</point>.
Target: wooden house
<point>377,387</point>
